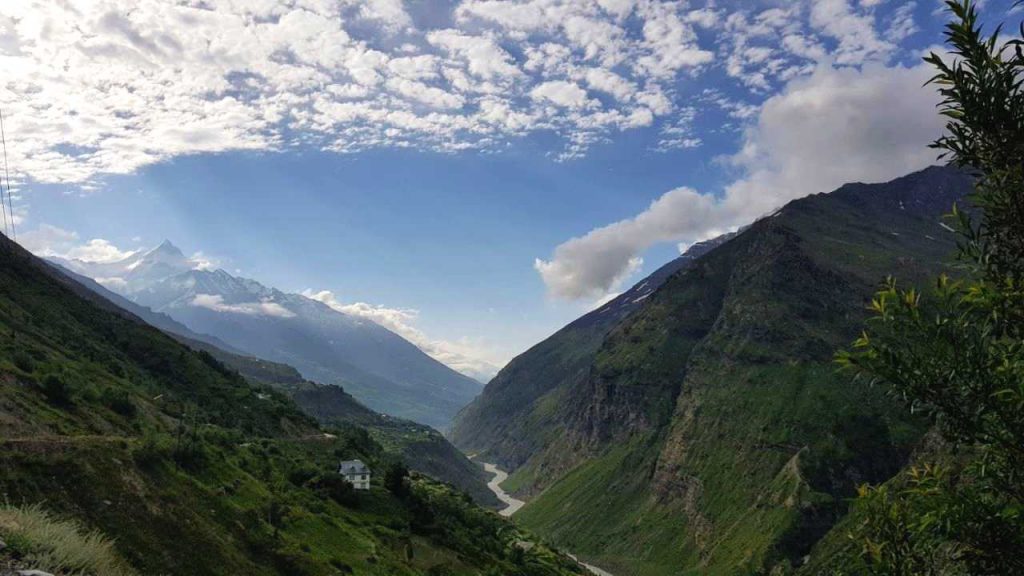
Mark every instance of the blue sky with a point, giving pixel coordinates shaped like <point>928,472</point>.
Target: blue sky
<point>472,174</point>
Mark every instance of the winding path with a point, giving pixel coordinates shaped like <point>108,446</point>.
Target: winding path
<point>512,505</point>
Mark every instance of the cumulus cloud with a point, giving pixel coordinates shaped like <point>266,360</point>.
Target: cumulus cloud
<point>98,250</point>
<point>51,241</point>
<point>840,124</point>
<point>216,303</point>
<point>470,358</point>
<point>109,86</point>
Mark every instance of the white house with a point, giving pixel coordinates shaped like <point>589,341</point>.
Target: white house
<point>357,474</point>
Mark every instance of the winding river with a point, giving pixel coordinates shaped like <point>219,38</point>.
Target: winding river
<point>512,505</point>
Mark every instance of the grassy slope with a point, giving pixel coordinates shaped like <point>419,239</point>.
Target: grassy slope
<point>37,539</point>
<point>191,469</point>
<point>711,434</point>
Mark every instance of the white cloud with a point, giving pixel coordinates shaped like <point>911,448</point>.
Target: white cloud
<point>114,283</point>
<point>591,265</point>
<point>50,241</point>
<point>216,303</point>
<point>201,261</point>
<point>47,240</point>
<point>610,82</point>
<point>471,358</point>
<point>679,134</point>
<point>561,93</point>
<point>853,30</point>
<point>838,125</point>
<point>98,250</point>
<point>94,87</point>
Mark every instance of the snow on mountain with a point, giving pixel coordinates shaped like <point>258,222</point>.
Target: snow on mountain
<point>385,371</point>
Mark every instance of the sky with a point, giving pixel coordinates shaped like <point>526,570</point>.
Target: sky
<point>473,174</point>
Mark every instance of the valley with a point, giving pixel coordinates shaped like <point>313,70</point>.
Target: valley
<point>706,427</point>
<point>512,288</point>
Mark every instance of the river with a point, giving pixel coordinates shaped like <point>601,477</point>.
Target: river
<point>512,505</point>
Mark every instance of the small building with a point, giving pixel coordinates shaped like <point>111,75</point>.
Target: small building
<point>357,474</point>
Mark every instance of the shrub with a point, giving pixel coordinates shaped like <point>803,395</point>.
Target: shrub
<point>334,486</point>
<point>24,362</point>
<point>119,401</point>
<point>153,450</point>
<point>56,390</point>
<point>395,479</point>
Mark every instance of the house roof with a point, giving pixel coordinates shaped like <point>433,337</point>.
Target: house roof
<point>353,467</point>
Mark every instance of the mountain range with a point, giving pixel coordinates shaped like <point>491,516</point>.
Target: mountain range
<point>420,446</point>
<point>380,368</point>
<point>125,452</point>
<point>697,423</point>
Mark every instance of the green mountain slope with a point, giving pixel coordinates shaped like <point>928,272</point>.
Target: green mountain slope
<point>522,393</point>
<point>707,432</point>
<point>192,470</point>
<point>421,447</point>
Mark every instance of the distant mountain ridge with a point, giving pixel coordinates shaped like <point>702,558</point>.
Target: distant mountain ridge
<point>380,368</point>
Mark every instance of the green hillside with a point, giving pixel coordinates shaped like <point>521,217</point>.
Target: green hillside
<point>109,425</point>
<point>708,432</point>
<point>421,447</point>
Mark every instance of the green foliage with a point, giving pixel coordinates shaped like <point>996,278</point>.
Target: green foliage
<point>957,352</point>
<point>336,487</point>
<point>396,478</point>
<point>120,401</point>
<point>24,362</point>
<point>56,389</point>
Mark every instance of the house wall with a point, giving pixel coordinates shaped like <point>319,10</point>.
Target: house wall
<point>359,481</point>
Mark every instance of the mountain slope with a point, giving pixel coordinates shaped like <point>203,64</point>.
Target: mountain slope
<point>421,447</point>
<point>192,470</point>
<point>708,432</point>
<point>424,449</point>
<point>157,320</point>
<point>500,423</point>
<point>382,369</point>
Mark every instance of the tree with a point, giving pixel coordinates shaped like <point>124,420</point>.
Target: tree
<point>396,476</point>
<point>57,390</point>
<point>957,352</point>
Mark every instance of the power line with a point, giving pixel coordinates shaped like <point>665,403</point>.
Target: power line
<point>7,174</point>
<point>2,205</point>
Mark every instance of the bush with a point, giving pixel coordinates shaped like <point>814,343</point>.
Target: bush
<point>396,479</point>
<point>299,476</point>
<point>334,486</point>
<point>56,390</point>
<point>119,401</point>
<point>153,451</point>
<point>24,362</point>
